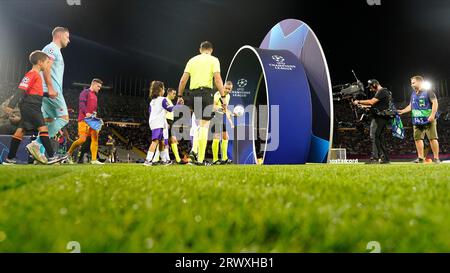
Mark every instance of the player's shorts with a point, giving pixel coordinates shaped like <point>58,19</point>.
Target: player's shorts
<point>31,116</point>
<point>53,108</point>
<point>158,134</point>
<point>84,129</point>
<point>206,96</point>
<point>430,130</point>
<point>218,124</point>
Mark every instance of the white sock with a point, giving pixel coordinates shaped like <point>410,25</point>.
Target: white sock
<point>150,156</point>
<point>164,155</point>
<point>167,154</point>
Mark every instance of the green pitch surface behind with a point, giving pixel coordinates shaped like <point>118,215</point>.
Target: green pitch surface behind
<point>311,208</point>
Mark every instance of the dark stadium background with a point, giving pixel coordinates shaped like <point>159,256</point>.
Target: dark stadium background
<point>154,39</point>
<point>236,211</point>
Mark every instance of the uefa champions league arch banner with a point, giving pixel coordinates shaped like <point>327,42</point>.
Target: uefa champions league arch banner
<point>297,37</point>
<point>291,69</point>
<point>281,132</point>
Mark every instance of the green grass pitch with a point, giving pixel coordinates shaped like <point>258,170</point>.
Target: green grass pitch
<point>310,208</point>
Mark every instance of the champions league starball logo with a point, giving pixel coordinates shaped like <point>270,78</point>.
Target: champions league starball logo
<point>240,90</point>
<point>374,2</point>
<point>280,63</point>
<point>279,59</point>
<point>73,2</point>
<point>242,83</point>
<point>25,80</point>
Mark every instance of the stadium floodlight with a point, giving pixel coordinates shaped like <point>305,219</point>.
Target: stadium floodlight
<point>426,85</point>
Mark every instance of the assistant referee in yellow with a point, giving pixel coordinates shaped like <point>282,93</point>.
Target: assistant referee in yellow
<point>203,71</point>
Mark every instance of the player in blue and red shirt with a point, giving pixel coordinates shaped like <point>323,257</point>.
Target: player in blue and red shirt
<point>29,96</point>
<point>88,106</point>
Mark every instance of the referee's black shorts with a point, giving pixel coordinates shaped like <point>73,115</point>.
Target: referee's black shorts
<point>200,101</point>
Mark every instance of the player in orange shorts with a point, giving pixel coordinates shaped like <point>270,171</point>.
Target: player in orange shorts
<point>87,107</point>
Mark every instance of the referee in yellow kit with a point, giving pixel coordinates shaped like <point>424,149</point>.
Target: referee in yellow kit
<point>203,71</point>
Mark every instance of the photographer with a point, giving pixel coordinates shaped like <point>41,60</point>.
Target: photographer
<point>379,106</point>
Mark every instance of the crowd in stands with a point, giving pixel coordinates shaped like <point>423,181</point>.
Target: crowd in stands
<point>6,90</point>
<point>112,107</point>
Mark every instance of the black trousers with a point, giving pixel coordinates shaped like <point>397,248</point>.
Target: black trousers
<point>378,138</point>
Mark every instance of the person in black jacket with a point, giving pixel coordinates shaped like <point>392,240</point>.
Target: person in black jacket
<point>379,103</point>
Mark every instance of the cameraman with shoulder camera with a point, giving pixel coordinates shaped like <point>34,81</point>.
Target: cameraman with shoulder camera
<point>379,107</point>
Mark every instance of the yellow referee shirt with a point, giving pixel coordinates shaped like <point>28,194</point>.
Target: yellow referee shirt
<point>217,103</point>
<point>201,69</point>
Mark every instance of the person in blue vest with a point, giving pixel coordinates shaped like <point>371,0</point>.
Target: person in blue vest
<point>424,106</point>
